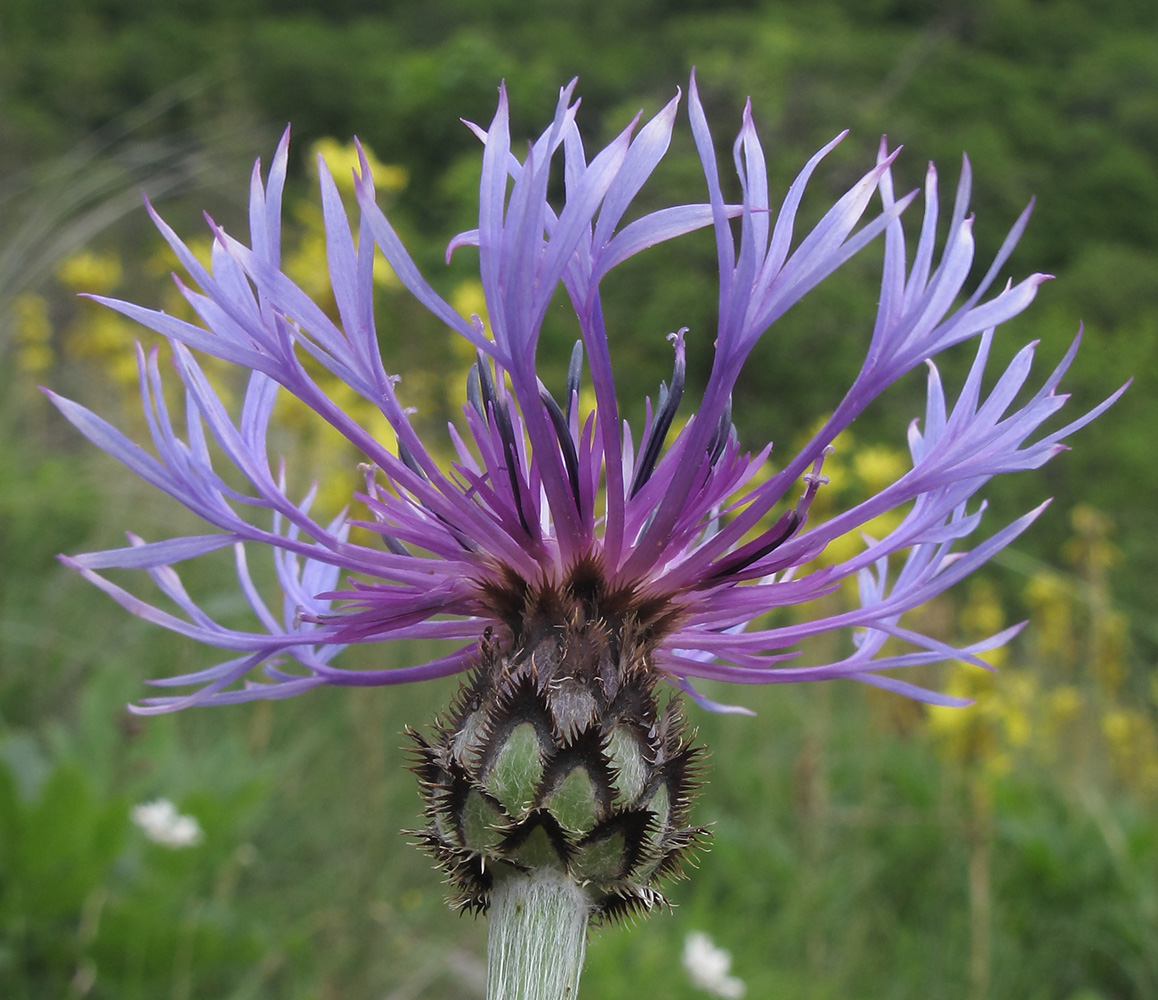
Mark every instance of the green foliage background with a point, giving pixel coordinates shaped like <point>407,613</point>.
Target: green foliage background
<point>848,837</point>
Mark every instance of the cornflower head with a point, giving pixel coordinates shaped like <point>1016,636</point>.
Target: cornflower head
<point>573,563</point>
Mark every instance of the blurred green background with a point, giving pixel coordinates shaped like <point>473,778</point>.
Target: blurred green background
<point>863,846</point>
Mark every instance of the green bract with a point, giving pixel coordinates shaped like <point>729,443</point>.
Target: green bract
<point>558,755</point>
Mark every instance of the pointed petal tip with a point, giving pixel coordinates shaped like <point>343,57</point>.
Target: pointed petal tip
<point>281,152</point>
<point>948,701</point>
<point>693,89</point>
<point>884,163</point>
<point>905,201</point>
<point>363,176</point>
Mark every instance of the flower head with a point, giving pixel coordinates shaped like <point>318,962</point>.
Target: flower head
<point>708,967</point>
<point>675,531</point>
<point>163,824</point>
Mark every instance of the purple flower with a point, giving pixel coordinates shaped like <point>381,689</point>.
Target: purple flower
<point>542,496</point>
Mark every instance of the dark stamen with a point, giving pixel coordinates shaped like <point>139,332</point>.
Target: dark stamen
<point>395,546</point>
<point>665,411</point>
<point>474,390</point>
<point>574,372</point>
<point>787,527</point>
<point>496,413</point>
<point>487,384</point>
<point>566,444</point>
<point>725,432</point>
<point>410,461</point>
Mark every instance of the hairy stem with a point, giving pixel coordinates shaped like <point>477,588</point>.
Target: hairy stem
<point>537,935</point>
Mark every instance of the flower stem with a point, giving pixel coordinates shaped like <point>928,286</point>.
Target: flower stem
<point>537,935</point>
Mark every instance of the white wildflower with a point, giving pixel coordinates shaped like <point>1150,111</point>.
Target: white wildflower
<point>708,967</point>
<point>163,825</point>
